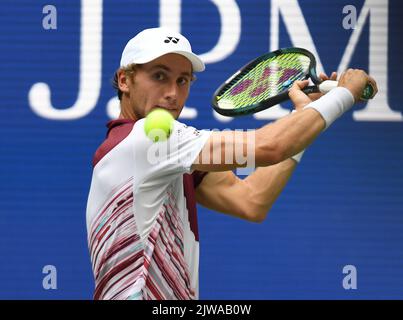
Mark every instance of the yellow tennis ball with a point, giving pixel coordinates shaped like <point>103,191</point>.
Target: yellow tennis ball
<point>158,125</point>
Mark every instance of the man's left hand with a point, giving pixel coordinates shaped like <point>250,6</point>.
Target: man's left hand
<point>299,98</point>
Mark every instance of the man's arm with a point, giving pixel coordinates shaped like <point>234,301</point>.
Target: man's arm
<point>250,198</point>
<point>271,144</point>
<point>285,137</point>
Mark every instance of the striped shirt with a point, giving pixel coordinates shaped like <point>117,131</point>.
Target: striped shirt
<point>141,214</point>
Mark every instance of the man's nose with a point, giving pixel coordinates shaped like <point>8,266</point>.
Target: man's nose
<point>171,92</point>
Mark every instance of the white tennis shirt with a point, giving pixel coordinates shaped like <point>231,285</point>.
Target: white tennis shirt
<point>141,213</point>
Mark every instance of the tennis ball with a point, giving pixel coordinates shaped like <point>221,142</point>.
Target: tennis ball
<point>158,125</point>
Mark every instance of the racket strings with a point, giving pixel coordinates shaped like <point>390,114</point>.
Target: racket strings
<point>264,80</point>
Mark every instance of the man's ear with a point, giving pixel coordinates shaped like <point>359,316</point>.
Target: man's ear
<point>123,81</point>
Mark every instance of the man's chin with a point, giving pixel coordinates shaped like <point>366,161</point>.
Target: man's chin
<point>174,112</point>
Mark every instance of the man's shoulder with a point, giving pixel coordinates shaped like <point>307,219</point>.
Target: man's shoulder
<point>118,130</point>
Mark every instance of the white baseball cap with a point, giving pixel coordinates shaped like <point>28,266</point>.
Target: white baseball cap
<point>153,43</point>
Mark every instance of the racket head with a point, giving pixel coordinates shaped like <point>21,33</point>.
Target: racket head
<point>264,82</point>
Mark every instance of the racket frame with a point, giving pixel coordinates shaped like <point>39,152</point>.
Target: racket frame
<point>280,97</point>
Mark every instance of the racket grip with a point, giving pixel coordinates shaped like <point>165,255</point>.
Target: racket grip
<point>328,85</point>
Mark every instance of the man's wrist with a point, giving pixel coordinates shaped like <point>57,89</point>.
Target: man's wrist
<point>333,104</point>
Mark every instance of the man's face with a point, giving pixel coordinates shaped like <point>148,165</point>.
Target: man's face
<point>163,83</point>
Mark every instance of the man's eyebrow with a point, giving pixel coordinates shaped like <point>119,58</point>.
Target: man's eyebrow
<point>167,69</point>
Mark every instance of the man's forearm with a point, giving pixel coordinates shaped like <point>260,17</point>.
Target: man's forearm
<point>291,134</point>
<point>294,133</point>
<point>266,184</point>
<point>276,141</point>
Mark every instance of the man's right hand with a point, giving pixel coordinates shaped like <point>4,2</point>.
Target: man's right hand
<point>355,81</point>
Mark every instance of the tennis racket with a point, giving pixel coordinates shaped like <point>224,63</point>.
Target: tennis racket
<point>264,82</point>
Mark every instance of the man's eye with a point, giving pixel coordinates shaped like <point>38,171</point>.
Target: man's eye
<point>183,81</point>
<point>159,76</point>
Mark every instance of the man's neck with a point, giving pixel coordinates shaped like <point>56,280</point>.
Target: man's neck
<point>126,112</point>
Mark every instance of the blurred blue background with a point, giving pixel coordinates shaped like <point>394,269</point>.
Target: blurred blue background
<point>343,206</point>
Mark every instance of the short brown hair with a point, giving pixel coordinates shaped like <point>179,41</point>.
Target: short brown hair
<point>129,70</point>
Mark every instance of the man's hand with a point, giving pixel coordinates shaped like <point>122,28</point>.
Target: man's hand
<point>299,98</point>
<point>323,77</point>
<point>355,81</point>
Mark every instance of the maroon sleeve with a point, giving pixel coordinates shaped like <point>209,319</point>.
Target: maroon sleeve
<point>118,130</point>
<point>198,177</point>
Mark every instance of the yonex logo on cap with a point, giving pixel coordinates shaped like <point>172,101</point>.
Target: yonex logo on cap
<point>171,39</point>
<point>152,43</point>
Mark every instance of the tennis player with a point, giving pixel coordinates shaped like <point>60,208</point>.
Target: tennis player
<point>141,214</point>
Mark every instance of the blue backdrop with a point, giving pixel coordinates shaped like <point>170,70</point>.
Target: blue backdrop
<point>343,206</point>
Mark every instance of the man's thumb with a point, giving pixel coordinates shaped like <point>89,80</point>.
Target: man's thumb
<point>297,96</point>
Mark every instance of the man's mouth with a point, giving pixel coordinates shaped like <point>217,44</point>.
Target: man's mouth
<point>166,107</point>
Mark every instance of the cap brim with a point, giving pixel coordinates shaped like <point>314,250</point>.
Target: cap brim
<point>197,63</point>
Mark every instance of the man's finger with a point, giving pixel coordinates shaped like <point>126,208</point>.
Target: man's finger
<point>323,76</point>
<point>299,85</point>
<point>297,96</point>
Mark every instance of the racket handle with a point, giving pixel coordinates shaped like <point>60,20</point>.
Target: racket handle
<point>328,85</point>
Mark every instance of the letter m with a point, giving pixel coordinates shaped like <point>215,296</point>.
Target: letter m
<point>377,109</point>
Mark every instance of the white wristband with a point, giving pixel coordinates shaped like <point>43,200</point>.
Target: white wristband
<point>333,104</point>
